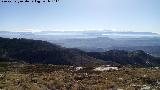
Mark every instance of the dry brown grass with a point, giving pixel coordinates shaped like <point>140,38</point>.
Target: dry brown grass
<point>50,77</point>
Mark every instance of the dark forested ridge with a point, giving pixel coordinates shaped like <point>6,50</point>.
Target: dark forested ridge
<point>37,51</point>
<point>134,58</point>
<point>153,50</point>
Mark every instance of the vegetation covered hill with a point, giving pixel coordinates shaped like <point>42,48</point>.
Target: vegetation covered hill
<point>37,51</point>
<point>134,58</point>
<point>153,50</point>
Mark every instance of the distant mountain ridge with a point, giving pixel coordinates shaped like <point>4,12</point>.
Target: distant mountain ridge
<point>76,34</point>
<point>95,40</point>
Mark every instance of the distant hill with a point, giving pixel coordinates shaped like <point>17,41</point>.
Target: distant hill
<point>37,51</point>
<point>135,58</point>
<point>153,50</point>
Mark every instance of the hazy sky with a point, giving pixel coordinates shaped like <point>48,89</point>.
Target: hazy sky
<point>123,15</point>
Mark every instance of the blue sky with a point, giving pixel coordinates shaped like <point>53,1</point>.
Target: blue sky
<point>120,15</point>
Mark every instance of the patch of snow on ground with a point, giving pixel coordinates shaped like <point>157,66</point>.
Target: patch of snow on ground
<point>146,88</point>
<point>104,68</point>
<point>79,68</point>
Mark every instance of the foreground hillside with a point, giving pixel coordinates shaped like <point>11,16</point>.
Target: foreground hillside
<point>51,77</point>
